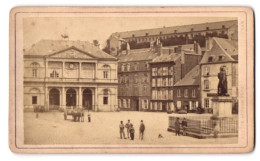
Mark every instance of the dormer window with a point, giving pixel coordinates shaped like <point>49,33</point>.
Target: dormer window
<point>160,32</point>
<point>133,35</point>
<point>210,59</point>
<point>207,28</point>
<point>175,31</point>
<point>220,58</point>
<point>146,34</point>
<point>223,26</point>
<point>191,29</point>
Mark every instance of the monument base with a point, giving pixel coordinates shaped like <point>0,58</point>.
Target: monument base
<point>222,106</point>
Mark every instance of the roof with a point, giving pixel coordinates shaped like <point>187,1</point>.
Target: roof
<point>179,29</point>
<point>191,78</point>
<point>138,55</point>
<point>221,47</point>
<point>48,47</point>
<point>166,57</point>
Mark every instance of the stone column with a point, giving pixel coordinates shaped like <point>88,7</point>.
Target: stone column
<point>63,67</point>
<point>46,98</point>
<point>63,97</point>
<point>46,68</point>
<point>79,69</point>
<point>80,98</point>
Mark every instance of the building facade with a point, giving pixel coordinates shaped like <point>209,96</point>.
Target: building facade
<point>166,70</point>
<point>171,36</point>
<point>60,74</point>
<point>222,53</point>
<point>187,91</point>
<point>134,79</point>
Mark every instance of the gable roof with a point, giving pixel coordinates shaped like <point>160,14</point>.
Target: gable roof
<point>48,47</point>
<point>221,47</point>
<point>191,78</point>
<point>137,55</point>
<point>179,29</point>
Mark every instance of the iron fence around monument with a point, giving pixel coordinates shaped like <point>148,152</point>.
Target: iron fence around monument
<point>203,125</point>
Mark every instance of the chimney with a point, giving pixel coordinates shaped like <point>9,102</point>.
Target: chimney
<point>182,57</point>
<point>209,43</point>
<point>127,48</point>
<point>195,46</point>
<point>160,48</point>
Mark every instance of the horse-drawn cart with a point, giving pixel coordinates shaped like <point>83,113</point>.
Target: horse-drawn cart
<point>76,113</point>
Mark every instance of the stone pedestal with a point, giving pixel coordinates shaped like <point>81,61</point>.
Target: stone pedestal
<point>222,106</point>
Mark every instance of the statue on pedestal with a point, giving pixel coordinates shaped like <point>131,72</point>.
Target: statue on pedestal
<point>222,84</point>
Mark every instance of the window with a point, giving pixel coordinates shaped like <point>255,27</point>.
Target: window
<point>105,73</point>
<point>106,69</point>
<point>128,67</point>
<point>146,34</point>
<point>159,71</point>
<point>160,32</point>
<point>136,78</point>
<point>35,67</point>
<point>136,66</point>
<point>210,59</point>
<point>186,93</point>
<point>154,71</point>
<point>122,67</point>
<point>191,29</point>
<point>193,92</point>
<point>178,93</point>
<point>165,70</point>
<point>147,65</point>
<point>133,35</point>
<point>220,58</point>
<point>54,74</point>
<point>170,70</point>
<point>153,82</point>
<point>119,103</point>
<point>206,103</point>
<point>223,26</point>
<point>34,72</point>
<point>175,31</point>
<point>207,28</point>
<point>206,71</point>
<point>34,100</point>
<point>105,96</point>
<point>206,84</point>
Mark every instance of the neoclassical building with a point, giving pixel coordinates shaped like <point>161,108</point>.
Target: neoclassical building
<point>62,73</point>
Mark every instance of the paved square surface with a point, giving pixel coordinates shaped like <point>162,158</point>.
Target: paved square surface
<point>51,128</point>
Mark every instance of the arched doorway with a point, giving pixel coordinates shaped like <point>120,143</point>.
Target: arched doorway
<point>54,99</point>
<point>71,97</point>
<point>87,99</point>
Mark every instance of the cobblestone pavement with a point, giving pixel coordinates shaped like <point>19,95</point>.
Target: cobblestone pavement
<point>51,128</point>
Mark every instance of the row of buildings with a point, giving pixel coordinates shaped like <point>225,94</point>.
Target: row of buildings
<point>63,73</point>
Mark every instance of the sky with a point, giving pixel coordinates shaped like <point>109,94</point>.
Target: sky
<point>97,28</point>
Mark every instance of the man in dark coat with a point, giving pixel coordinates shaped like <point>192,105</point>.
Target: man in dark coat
<point>177,126</point>
<point>222,84</point>
<point>141,130</point>
<point>132,132</point>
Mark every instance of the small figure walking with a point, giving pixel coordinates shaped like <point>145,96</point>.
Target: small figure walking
<point>141,130</point>
<point>184,126</point>
<point>121,130</point>
<point>89,117</point>
<point>127,126</point>
<point>177,126</point>
<point>132,132</point>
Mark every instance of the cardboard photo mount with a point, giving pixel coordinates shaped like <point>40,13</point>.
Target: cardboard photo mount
<point>245,18</point>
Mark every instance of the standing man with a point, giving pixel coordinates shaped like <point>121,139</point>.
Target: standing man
<point>132,132</point>
<point>177,126</point>
<point>184,126</point>
<point>127,126</point>
<point>141,130</point>
<point>121,130</point>
<point>89,116</point>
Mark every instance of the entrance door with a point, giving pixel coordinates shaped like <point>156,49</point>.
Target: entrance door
<point>54,99</point>
<point>137,105</point>
<point>163,106</point>
<point>71,97</point>
<point>87,99</point>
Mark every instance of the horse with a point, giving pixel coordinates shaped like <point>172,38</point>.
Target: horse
<point>78,115</point>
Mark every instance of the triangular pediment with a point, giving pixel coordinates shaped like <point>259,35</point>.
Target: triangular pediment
<point>71,53</point>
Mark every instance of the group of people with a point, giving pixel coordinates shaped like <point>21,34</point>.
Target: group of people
<point>178,126</point>
<point>130,130</point>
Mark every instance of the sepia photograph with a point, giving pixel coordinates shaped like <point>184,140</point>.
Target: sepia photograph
<point>131,80</point>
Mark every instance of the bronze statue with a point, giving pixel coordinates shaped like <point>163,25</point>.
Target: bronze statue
<point>222,84</point>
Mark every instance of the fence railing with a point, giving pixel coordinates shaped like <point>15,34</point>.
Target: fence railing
<point>206,126</point>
